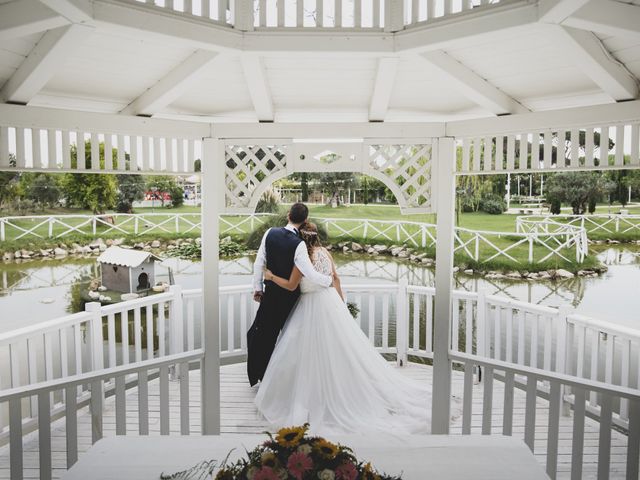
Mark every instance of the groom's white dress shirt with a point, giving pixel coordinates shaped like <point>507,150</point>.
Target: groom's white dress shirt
<point>301,260</point>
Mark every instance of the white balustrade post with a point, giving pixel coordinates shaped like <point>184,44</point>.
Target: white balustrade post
<point>176,326</point>
<point>445,191</point>
<point>402,321</point>
<point>563,350</point>
<point>212,206</point>
<point>243,15</point>
<point>96,340</point>
<point>393,15</point>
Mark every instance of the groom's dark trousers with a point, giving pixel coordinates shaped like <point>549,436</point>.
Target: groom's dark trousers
<point>276,304</point>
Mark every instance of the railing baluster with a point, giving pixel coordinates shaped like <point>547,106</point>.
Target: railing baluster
<point>530,412</point>
<point>468,326</point>
<point>137,334</point>
<point>429,324</point>
<point>507,412</point>
<point>577,444</point>
<point>149,325</point>
<point>143,403</point>
<point>124,330</point>
<point>121,405</point>
<point>487,400</point>
<point>372,319</point>
<point>71,425</point>
<point>455,325</point>
<point>15,438</point>
<point>624,376</point>
<point>111,332</point>
<point>44,435</point>
<point>184,398</point>
<point>553,428</point>
<point>604,438</point>
<point>161,328</point>
<point>230,323</point>
<point>97,395</point>
<point>467,398</point>
<point>385,321</point>
<point>190,325</point>
<point>164,400</point>
<point>595,354</point>
<point>497,337</point>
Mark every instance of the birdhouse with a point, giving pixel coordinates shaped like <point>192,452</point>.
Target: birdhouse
<point>126,270</point>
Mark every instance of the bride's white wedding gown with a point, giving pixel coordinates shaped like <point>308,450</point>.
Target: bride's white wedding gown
<point>324,371</point>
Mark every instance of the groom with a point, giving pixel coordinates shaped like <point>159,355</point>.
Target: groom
<point>280,249</point>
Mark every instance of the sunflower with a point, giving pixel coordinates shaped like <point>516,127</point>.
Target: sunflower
<point>325,449</point>
<point>291,436</point>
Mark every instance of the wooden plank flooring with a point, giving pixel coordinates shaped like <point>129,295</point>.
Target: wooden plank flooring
<point>240,416</point>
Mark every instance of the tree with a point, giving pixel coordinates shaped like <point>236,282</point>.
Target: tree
<point>577,189</point>
<point>130,189</point>
<point>96,192</point>
<point>43,189</point>
<point>162,186</point>
<point>9,184</point>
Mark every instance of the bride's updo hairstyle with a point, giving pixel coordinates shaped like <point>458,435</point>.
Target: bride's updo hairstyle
<point>309,234</point>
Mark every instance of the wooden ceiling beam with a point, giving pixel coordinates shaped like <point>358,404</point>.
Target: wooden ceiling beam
<point>472,86</point>
<point>46,58</point>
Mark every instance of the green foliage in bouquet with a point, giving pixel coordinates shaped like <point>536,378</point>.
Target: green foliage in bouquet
<point>292,455</point>
<point>353,309</point>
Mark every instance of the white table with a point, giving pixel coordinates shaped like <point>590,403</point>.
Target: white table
<point>416,457</point>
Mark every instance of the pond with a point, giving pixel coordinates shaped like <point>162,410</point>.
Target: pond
<point>39,290</point>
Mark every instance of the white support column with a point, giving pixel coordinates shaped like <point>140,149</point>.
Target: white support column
<point>445,181</point>
<point>212,205</point>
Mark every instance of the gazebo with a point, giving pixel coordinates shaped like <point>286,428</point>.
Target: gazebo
<point>412,92</point>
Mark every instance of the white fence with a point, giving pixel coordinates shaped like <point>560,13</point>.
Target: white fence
<point>562,242</point>
<point>601,224</point>
<point>56,367</point>
<point>334,14</point>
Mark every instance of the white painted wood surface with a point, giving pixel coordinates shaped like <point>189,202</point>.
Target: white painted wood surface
<point>416,457</point>
<point>240,416</point>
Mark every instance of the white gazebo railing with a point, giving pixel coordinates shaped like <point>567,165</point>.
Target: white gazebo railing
<point>521,345</point>
<point>332,14</point>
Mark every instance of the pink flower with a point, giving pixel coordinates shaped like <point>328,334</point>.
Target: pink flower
<point>346,471</point>
<point>298,464</point>
<point>266,473</point>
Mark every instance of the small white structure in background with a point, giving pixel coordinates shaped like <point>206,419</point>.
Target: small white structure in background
<point>126,270</point>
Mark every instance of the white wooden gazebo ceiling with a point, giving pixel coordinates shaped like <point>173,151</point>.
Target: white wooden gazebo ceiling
<point>126,57</point>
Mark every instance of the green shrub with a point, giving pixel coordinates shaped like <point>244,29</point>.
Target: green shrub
<point>492,204</point>
<point>255,237</point>
<point>269,202</point>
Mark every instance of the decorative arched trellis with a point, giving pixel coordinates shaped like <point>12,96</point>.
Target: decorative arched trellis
<point>405,167</point>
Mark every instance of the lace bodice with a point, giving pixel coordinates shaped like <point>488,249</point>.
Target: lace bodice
<point>322,263</point>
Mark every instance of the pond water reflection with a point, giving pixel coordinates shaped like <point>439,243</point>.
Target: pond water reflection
<point>34,291</point>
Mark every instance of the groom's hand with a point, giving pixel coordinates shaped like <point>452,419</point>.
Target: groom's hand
<point>257,296</point>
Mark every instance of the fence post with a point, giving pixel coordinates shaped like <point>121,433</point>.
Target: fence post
<point>176,326</point>
<point>2,234</point>
<point>135,224</point>
<point>93,225</point>
<point>424,236</point>
<point>398,233</point>
<point>366,229</point>
<point>177,217</point>
<point>481,334</point>
<point>50,222</point>
<point>530,248</point>
<point>402,314</point>
<point>477,248</point>
<point>564,347</point>
<point>617,224</point>
<point>96,343</point>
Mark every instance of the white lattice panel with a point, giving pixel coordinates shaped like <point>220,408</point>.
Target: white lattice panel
<point>249,170</point>
<point>407,169</point>
<point>53,150</point>
<point>599,147</point>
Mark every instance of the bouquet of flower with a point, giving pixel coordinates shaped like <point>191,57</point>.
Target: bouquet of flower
<point>292,455</point>
<point>353,309</point>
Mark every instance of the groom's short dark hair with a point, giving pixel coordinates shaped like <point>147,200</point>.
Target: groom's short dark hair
<point>298,213</point>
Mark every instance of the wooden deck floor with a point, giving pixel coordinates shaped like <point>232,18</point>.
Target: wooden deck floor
<point>239,416</point>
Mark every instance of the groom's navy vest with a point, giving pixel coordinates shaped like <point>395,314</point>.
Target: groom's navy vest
<point>281,246</point>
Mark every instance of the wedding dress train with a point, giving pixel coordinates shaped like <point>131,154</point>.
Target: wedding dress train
<point>325,371</point>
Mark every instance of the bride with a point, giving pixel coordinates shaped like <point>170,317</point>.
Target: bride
<point>324,370</point>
